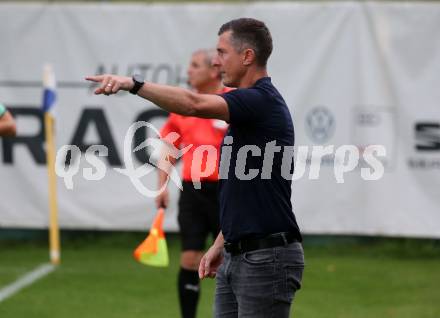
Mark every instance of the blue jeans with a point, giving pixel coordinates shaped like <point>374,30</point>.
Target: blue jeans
<point>259,283</point>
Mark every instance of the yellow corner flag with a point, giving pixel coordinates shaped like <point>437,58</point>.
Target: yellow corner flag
<point>153,250</point>
<point>49,98</point>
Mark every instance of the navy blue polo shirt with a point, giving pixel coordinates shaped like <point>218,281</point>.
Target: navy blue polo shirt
<point>256,207</point>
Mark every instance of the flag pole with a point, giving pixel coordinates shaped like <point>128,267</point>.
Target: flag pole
<point>54,232</point>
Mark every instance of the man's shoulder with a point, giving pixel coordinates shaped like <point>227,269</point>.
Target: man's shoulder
<point>246,93</point>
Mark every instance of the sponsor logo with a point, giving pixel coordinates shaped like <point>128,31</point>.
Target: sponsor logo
<point>320,124</point>
<point>427,136</point>
<point>426,145</point>
<point>374,125</point>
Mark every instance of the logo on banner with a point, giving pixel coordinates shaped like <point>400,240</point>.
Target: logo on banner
<point>320,124</point>
<point>372,125</point>
<point>367,118</point>
<point>427,146</point>
<point>427,136</point>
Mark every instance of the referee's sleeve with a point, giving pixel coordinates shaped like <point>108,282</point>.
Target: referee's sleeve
<point>171,125</point>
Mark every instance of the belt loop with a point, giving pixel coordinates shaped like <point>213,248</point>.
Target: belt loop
<point>239,247</point>
<point>283,235</point>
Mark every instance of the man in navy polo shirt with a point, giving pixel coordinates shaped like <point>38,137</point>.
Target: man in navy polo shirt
<point>257,258</point>
<point>263,263</point>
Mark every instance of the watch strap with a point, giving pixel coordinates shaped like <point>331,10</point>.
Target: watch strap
<point>138,83</point>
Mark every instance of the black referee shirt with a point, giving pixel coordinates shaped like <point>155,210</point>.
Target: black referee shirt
<point>258,206</point>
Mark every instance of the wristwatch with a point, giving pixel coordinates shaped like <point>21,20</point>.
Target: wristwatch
<point>138,81</point>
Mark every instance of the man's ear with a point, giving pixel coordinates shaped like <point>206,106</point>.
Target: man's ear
<point>248,57</point>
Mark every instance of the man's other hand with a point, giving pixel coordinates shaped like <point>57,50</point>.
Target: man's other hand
<point>210,262</point>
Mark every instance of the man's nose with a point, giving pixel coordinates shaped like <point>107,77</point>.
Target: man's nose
<point>215,60</point>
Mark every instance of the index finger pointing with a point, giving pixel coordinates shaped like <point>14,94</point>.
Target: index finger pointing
<point>96,78</point>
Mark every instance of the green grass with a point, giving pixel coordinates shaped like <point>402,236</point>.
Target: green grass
<point>99,278</point>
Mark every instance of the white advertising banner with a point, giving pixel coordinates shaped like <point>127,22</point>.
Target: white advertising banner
<point>354,74</point>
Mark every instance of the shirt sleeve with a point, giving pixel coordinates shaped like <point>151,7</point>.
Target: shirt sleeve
<point>2,109</point>
<point>171,125</point>
<point>245,106</point>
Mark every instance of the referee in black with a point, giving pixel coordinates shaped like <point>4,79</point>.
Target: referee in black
<point>257,258</point>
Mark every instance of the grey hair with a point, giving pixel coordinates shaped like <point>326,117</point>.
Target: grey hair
<point>209,55</point>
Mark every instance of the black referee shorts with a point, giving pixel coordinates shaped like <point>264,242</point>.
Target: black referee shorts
<point>198,214</point>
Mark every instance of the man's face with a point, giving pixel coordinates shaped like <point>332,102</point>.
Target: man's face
<point>200,73</point>
<point>229,61</point>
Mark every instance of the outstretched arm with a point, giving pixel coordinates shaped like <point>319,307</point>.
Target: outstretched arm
<point>172,99</point>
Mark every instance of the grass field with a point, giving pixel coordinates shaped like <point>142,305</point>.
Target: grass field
<point>99,278</point>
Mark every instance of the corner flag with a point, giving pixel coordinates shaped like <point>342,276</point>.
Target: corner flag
<point>49,85</point>
<point>49,98</point>
<point>153,250</point>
